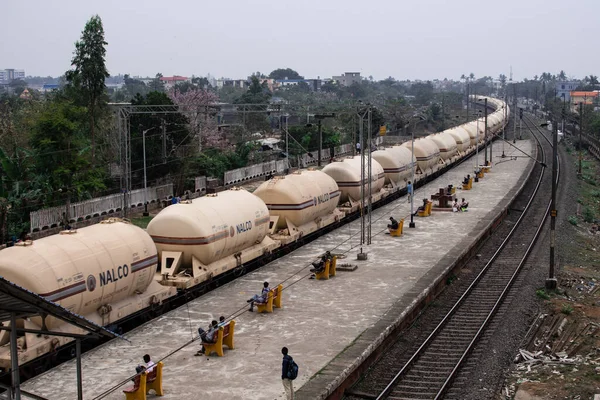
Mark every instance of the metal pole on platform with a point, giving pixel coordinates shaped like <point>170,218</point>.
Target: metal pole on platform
<point>579,170</point>
<point>485,130</point>
<point>412,194</point>
<point>320,129</point>
<point>369,173</point>
<point>515,112</point>
<point>551,280</point>
<point>504,126</point>
<point>14,359</point>
<point>79,382</point>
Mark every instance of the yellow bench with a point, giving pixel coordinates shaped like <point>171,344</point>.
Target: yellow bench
<point>468,186</point>
<point>273,299</point>
<point>145,382</point>
<point>481,173</point>
<point>224,337</point>
<point>427,211</point>
<point>399,230</point>
<point>329,270</point>
<point>332,267</point>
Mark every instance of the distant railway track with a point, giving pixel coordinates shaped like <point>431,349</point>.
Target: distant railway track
<point>429,370</point>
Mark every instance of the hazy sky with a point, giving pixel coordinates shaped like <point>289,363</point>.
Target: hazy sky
<point>407,39</point>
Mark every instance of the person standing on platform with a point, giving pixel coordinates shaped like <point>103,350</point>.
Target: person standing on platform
<point>289,372</point>
<point>409,190</point>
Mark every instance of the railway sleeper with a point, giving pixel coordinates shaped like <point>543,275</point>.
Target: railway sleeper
<point>417,387</point>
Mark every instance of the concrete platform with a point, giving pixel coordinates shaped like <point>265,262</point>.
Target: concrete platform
<point>329,326</point>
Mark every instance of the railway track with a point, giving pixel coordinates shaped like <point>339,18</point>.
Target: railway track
<point>429,371</point>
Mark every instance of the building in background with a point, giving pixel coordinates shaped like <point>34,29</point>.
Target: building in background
<point>586,98</point>
<point>171,81</point>
<point>10,74</point>
<point>347,78</point>
<point>564,89</point>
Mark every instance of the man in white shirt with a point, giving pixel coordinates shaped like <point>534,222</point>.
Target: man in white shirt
<point>148,367</point>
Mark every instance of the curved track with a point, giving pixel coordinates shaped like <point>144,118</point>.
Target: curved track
<point>431,369</point>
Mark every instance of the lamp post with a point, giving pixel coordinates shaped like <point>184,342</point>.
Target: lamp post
<point>477,147</point>
<point>485,138</point>
<point>551,280</point>
<point>320,118</point>
<point>412,160</point>
<point>145,182</point>
<point>580,129</point>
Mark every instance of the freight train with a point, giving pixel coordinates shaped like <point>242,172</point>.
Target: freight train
<point>112,270</point>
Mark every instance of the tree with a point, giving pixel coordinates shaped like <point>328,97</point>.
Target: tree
<point>90,70</point>
<point>562,75</point>
<point>285,73</point>
<point>61,152</point>
<point>200,108</point>
<point>260,95</point>
<point>166,136</point>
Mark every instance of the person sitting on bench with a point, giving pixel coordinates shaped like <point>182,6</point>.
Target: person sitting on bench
<point>464,204</point>
<point>421,208</point>
<point>466,180</point>
<point>222,321</point>
<point>319,266</point>
<point>260,298</point>
<point>148,365</point>
<point>393,225</point>
<point>207,336</point>
<point>455,206</point>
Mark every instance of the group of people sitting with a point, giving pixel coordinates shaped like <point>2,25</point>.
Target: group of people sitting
<point>462,206</point>
<point>319,265</point>
<point>209,336</point>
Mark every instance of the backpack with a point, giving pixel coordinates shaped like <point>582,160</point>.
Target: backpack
<point>292,370</point>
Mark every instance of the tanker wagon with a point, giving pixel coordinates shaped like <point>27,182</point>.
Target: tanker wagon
<point>104,272</point>
<point>208,236</point>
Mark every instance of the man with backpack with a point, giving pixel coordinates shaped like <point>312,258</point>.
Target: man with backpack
<point>289,372</point>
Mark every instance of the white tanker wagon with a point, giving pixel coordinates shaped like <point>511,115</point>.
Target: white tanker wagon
<point>300,203</point>
<point>200,239</point>
<point>347,175</point>
<point>104,272</point>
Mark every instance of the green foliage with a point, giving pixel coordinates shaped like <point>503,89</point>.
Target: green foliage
<point>161,155</point>
<point>285,73</point>
<point>308,137</point>
<point>86,81</point>
<point>573,220</point>
<point>588,215</point>
<point>542,294</point>
<point>214,163</point>
<point>566,309</point>
<point>62,152</point>
<point>259,94</point>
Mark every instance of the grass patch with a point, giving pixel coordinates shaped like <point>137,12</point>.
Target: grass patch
<point>542,294</point>
<point>572,220</point>
<point>589,179</point>
<point>566,309</point>
<point>142,222</point>
<point>588,215</point>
